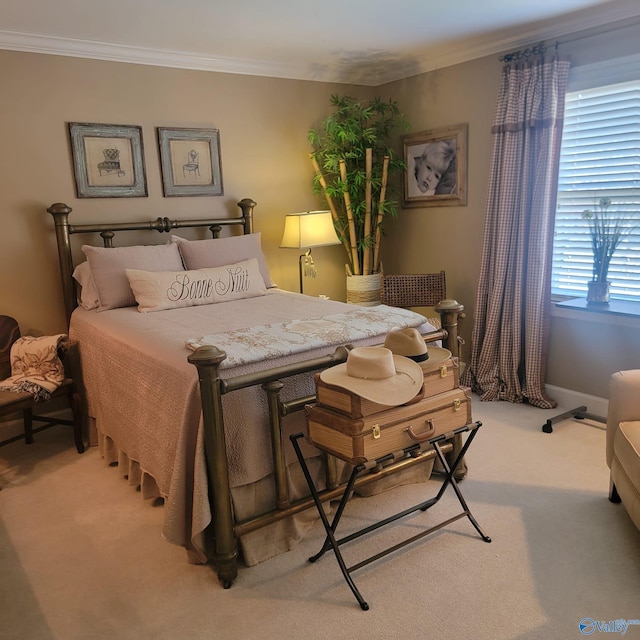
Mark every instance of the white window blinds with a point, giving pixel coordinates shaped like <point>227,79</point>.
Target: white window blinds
<point>600,157</point>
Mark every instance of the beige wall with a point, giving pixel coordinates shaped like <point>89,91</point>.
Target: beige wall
<point>263,126</point>
<point>586,350</point>
<point>450,238</point>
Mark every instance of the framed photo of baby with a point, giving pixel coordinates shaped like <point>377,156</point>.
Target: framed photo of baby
<point>436,161</point>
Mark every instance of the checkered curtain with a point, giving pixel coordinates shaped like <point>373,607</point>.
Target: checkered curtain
<point>510,334</point>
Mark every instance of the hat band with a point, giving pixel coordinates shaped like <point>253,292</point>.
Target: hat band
<point>421,358</point>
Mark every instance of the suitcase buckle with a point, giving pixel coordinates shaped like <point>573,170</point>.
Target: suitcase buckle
<point>456,404</point>
<point>375,430</point>
<point>443,371</point>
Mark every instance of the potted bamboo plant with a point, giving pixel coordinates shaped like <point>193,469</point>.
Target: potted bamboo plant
<point>606,228</point>
<point>353,161</point>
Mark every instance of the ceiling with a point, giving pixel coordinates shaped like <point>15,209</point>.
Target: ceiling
<point>366,42</point>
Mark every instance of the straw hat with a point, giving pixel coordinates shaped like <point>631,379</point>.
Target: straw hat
<point>376,374</point>
<point>409,343</point>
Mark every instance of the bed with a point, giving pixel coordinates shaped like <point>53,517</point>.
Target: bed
<point>194,398</point>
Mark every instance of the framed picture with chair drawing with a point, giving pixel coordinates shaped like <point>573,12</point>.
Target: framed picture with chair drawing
<point>190,161</point>
<point>436,167</point>
<point>108,160</point>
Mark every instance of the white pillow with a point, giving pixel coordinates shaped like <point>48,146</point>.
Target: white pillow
<point>88,293</point>
<point>217,252</point>
<point>159,290</point>
<point>108,268</point>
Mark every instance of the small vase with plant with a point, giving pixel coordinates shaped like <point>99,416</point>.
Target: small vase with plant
<point>353,160</point>
<point>606,228</point>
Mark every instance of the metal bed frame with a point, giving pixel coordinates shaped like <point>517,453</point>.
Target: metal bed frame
<point>224,531</point>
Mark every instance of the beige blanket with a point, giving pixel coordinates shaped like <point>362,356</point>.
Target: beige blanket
<point>144,397</point>
<point>35,366</point>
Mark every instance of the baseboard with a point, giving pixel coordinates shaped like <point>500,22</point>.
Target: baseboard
<point>569,399</point>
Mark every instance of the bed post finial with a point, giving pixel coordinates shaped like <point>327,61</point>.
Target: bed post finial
<point>247,205</point>
<point>451,313</point>
<point>60,212</point>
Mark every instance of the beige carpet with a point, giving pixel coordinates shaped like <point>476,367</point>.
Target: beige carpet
<point>81,556</point>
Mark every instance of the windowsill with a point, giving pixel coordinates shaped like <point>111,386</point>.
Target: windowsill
<point>620,313</point>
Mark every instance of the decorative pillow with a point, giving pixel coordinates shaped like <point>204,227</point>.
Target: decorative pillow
<point>217,252</point>
<point>88,293</point>
<point>108,268</point>
<point>159,290</point>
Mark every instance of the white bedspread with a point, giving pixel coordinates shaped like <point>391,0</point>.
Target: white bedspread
<point>143,394</point>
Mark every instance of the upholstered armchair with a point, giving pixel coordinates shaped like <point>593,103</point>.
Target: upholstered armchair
<point>623,441</point>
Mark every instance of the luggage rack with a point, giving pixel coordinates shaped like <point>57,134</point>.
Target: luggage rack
<point>333,543</point>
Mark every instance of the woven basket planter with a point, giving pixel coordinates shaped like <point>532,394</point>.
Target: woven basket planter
<point>364,290</point>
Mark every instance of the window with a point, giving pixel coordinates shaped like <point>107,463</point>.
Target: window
<point>600,157</point>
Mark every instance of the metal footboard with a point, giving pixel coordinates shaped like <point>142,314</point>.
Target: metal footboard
<point>223,549</point>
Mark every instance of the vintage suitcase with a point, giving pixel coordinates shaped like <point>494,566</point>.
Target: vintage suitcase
<point>443,377</point>
<point>360,439</point>
<point>345,401</point>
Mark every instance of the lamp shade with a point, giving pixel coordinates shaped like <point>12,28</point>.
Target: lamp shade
<point>308,229</point>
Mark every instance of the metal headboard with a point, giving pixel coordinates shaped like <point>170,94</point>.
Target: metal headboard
<point>64,231</point>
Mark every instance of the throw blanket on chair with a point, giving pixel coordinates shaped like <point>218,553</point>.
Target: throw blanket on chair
<point>35,366</point>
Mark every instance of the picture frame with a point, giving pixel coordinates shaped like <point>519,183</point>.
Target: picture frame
<point>436,167</point>
<point>108,160</point>
<point>190,161</point>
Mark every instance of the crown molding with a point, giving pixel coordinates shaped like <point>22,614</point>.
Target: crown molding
<point>364,72</point>
<point>587,22</point>
<point>54,45</point>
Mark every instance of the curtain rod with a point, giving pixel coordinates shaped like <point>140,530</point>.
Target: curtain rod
<point>536,50</point>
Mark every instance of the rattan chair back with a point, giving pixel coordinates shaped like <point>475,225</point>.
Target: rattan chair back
<point>414,290</point>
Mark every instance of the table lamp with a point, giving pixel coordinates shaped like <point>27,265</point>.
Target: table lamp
<point>307,230</point>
